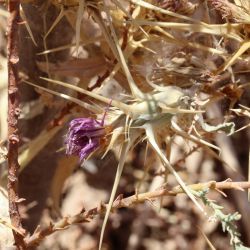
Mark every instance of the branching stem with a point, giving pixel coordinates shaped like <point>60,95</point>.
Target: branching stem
<point>87,216</point>
<point>13,113</point>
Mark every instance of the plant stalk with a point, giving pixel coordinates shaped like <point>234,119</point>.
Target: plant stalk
<point>13,113</point>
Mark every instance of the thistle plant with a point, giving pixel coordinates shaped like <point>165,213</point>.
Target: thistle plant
<point>151,111</point>
<point>148,117</point>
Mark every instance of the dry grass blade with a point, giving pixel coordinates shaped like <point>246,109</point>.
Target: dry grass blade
<point>243,48</point>
<point>163,11</point>
<point>106,33</point>
<point>23,16</point>
<point>151,138</point>
<point>67,97</point>
<point>106,100</point>
<point>65,47</point>
<point>58,19</point>
<point>125,148</point>
<point>211,246</point>
<point>170,38</point>
<point>226,30</point>
<point>134,89</point>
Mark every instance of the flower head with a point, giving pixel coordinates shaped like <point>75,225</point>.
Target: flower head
<point>84,137</point>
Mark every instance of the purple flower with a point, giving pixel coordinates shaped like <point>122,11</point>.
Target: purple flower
<point>84,137</point>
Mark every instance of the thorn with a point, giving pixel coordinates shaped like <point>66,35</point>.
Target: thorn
<point>20,200</point>
<point>221,192</point>
<point>118,200</point>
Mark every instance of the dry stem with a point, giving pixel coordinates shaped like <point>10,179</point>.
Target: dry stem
<point>13,112</point>
<point>86,216</point>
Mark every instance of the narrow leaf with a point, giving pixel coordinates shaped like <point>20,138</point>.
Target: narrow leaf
<point>124,151</point>
<point>151,138</point>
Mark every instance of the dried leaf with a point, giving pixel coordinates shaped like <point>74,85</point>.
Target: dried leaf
<point>66,166</point>
<point>77,67</point>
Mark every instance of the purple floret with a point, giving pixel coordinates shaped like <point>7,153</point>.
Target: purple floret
<point>83,137</point>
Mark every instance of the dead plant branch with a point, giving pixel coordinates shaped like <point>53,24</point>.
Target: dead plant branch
<point>13,113</point>
<point>86,216</point>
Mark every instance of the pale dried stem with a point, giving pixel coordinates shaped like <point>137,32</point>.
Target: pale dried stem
<point>87,216</point>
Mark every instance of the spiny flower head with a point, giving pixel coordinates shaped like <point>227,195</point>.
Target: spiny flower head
<point>84,136</point>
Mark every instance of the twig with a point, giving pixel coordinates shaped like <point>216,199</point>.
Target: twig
<point>13,112</point>
<point>87,216</point>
